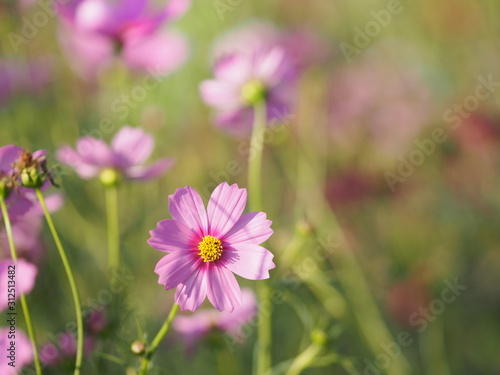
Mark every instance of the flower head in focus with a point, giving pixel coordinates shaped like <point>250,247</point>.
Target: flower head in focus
<point>129,149</point>
<point>22,355</point>
<point>202,323</point>
<point>94,32</point>
<point>207,246</point>
<point>243,80</point>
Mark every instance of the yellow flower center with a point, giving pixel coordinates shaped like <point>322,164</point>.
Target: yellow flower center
<point>253,92</point>
<point>210,249</point>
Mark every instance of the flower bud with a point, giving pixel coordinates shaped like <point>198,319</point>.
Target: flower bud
<point>5,187</point>
<point>138,347</point>
<point>32,178</point>
<point>319,337</point>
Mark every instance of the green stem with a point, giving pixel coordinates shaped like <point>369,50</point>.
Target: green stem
<point>113,231</point>
<point>255,198</point>
<point>24,304</point>
<point>157,340</point>
<point>71,280</point>
<point>255,157</point>
<point>304,359</point>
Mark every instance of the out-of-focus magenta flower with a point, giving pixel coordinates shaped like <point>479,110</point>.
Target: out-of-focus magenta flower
<point>96,322</point>
<point>18,77</point>
<point>242,80</point>
<point>53,354</point>
<point>22,273</point>
<point>207,246</point>
<point>129,149</point>
<point>195,327</point>
<point>380,102</point>
<point>94,32</point>
<point>23,354</point>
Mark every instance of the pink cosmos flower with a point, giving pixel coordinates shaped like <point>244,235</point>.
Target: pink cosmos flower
<point>18,77</point>
<point>23,352</point>
<point>94,32</point>
<point>304,47</point>
<point>24,278</point>
<point>203,322</point>
<point>241,80</point>
<point>130,148</point>
<point>379,101</point>
<point>206,246</point>
<point>53,354</point>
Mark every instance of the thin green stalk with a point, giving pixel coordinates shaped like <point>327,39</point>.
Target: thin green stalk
<point>113,231</point>
<point>255,198</point>
<point>157,340</point>
<point>71,280</point>
<point>304,359</point>
<point>24,304</point>
<point>255,157</point>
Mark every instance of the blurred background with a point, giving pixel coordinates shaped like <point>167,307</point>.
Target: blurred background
<point>382,182</point>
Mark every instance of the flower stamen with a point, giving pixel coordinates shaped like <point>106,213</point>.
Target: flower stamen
<point>210,248</point>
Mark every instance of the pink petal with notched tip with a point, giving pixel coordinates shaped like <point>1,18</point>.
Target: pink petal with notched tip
<point>187,207</point>
<point>223,290</point>
<point>251,228</point>
<point>191,294</point>
<point>173,236</point>
<point>252,262</point>
<point>176,268</point>
<point>225,208</point>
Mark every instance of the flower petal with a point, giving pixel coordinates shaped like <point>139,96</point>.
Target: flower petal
<point>133,144</point>
<point>225,208</point>
<point>221,94</point>
<point>149,172</point>
<point>172,236</point>
<point>174,269</point>
<point>25,275</point>
<point>223,291</point>
<point>249,261</point>
<point>96,152</point>
<point>187,207</point>
<point>271,66</point>
<point>70,157</point>
<point>236,68</point>
<point>252,228</point>
<point>8,155</point>
<point>191,294</point>
<point>160,54</point>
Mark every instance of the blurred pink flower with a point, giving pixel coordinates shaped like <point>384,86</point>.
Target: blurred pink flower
<point>22,273</point>
<point>18,77</point>
<point>26,232</point>
<point>241,80</point>
<point>381,101</point>
<point>23,352</point>
<point>303,46</point>
<point>206,247</point>
<point>52,354</point>
<point>195,327</point>
<point>129,149</point>
<point>93,32</point>
<point>96,322</point>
